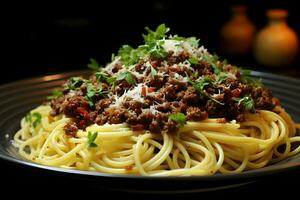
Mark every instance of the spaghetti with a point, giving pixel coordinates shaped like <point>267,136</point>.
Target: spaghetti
<point>165,108</point>
<point>199,148</point>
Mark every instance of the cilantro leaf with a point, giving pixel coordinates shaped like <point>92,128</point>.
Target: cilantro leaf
<point>212,60</point>
<point>221,77</point>
<point>101,76</point>
<point>156,49</point>
<point>179,118</point>
<point>127,76</point>
<point>91,139</point>
<point>158,34</point>
<point>247,102</point>
<point>55,94</point>
<point>193,61</point>
<point>111,80</point>
<point>34,119</point>
<point>153,71</point>
<point>193,41</point>
<point>74,82</point>
<point>92,92</point>
<point>200,87</point>
<point>247,80</point>
<point>129,55</point>
<point>93,65</point>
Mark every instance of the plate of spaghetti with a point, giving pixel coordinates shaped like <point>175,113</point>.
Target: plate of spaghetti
<point>165,110</point>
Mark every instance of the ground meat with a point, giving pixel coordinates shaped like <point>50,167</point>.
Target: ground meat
<point>190,96</point>
<point>263,98</point>
<point>102,104</point>
<point>167,87</point>
<point>57,105</point>
<point>71,129</point>
<point>195,114</point>
<point>169,92</point>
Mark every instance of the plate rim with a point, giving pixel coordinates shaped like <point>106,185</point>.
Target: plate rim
<point>244,175</point>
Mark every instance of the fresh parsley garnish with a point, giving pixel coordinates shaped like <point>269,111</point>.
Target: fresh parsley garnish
<point>91,139</point>
<point>158,34</point>
<point>179,118</point>
<point>153,71</point>
<point>200,85</point>
<point>247,80</point>
<point>193,61</point>
<point>127,76</point>
<point>92,92</point>
<point>247,102</point>
<point>101,76</point>
<point>34,119</point>
<point>74,82</point>
<point>129,55</point>
<point>111,80</point>
<point>193,41</point>
<point>212,60</point>
<point>93,65</point>
<point>55,94</point>
<point>153,46</point>
<point>221,77</point>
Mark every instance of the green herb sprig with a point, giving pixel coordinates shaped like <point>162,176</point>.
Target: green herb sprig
<point>179,118</point>
<point>34,119</point>
<point>91,139</point>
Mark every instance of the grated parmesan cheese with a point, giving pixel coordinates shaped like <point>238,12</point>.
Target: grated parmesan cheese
<point>134,93</point>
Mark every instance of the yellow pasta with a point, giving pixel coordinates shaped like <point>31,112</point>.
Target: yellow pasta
<point>198,148</point>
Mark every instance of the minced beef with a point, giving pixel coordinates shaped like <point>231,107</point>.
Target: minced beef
<point>168,88</point>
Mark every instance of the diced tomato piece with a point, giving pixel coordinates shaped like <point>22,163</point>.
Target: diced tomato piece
<point>151,89</point>
<point>83,112</point>
<point>144,91</point>
<point>129,168</point>
<point>236,92</point>
<point>137,127</point>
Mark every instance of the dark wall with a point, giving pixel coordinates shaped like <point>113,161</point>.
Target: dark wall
<point>50,38</point>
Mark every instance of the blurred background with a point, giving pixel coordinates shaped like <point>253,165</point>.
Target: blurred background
<point>48,38</point>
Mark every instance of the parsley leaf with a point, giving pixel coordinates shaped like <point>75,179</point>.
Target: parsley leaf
<point>93,65</point>
<point>55,94</point>
<point>127,76</point>
<point>193,61</point>
<point>212,60</point>
<point>179,118</point>
<point>91,139</point>
<point>33,118</point>
<point>247,102</point>
<point>153,41</point>
<point>200,86</point>
<point>153,71</point>
<point>74,82</point>
<point>193,41</point>
<point>92,92</point>
<point>101,76</point>
<point>129,55</point>
<point>247,80</point>
<point>222,76</point>
<point>111,80</point>
<point>158,34</point>
<point>156,49</point>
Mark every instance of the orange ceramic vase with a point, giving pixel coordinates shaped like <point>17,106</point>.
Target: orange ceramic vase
<point>277,44</point>
<point>237,34</point>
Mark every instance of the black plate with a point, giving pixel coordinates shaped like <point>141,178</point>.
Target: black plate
<point>17,98</point>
